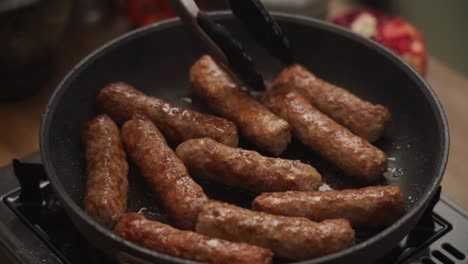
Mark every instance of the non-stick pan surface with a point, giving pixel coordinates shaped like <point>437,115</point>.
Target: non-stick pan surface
<point>156,60</point>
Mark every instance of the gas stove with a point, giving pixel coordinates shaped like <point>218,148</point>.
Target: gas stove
<point>35,229</point>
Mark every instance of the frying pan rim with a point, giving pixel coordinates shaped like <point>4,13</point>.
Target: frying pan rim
<point>424,87</point>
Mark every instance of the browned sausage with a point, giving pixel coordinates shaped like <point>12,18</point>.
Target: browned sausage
<point>107,168</point>
<point>352,154</point>
<point>294,238</point>
<point>121,101</point>
<point>361,117</point>
<point>254,120</point>
<point>188,245</point>
<point>367,207</point>
<point>245,168</point>
<point>164,173</point>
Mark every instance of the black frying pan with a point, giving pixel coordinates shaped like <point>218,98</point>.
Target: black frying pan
<point>156,60</point>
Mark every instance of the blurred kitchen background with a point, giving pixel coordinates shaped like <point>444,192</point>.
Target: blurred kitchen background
<point>41,40</point>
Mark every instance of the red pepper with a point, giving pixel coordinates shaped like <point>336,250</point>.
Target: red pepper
<point>394,33</point>
<point>145,12</point>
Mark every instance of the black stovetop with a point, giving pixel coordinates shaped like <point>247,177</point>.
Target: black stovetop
<point>32,232</point>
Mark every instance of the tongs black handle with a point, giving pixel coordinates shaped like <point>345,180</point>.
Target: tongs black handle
<point>235,52</point>
<point>188,12</point>
<point>226,49</point>
<point>261,25</point>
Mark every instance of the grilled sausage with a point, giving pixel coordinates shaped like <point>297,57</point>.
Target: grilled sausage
<point>164,173</point>
<point>254,120</point>
<point>373,206</point>
<point>121,101</point>
<point>352,154</point>
<point>361,117</point>
<point>107,168</point>
<point>188,245</point>
<point>294,238</point>
<point>244,168</point>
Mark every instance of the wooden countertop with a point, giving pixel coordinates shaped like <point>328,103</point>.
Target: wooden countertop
<point>20,121</point>
<point>452,90</point>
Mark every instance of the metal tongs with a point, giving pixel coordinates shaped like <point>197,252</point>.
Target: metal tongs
<point>225,49</point>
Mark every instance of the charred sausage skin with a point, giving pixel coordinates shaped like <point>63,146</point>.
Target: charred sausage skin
<point>373,206</point>
<point>247,169</point>
<point>353,155</point>
<point>293,238</point>
<point>258,124</point>
<point>121,101</point>
<point>188,245</point>
<point>363,118</point>
<point>107,168</point>
<point>163,171</point>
